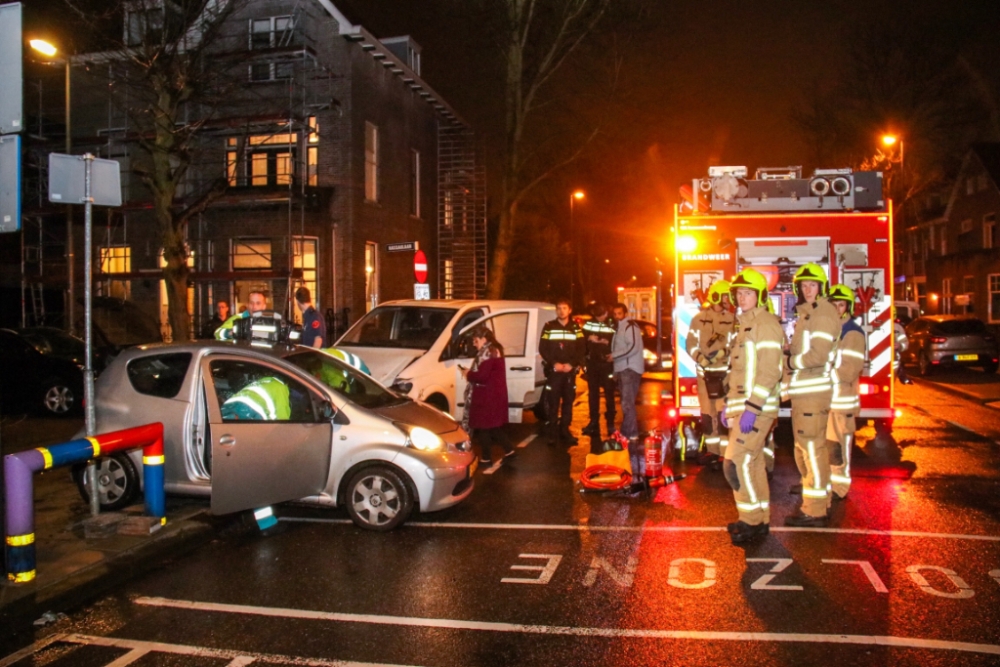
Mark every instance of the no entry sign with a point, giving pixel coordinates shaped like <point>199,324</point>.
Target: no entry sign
<point>420,266</point>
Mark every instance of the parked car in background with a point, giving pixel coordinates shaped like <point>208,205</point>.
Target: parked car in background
<point>906,311</point>
<point>251,426</point>
<point>57,343</point>
<point>666,360</point>
<point>939,341</point>
<point>39,383</point>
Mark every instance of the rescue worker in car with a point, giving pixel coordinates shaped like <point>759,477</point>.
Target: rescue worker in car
<point>256,302</point>
<point>264,399</point>
<point>751,404</point>
<point>600,374</point>
<point>562,350</point>
<point>845,403</point>
<point>708,344</point>
<point>810,359</point>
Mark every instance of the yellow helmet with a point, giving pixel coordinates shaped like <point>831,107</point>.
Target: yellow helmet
<point>812,272</point>
<point>841,293</point>
<point>717,290</point>
<point>750,279</point>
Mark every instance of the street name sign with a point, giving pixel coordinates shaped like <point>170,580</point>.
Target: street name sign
<point>405,246</point>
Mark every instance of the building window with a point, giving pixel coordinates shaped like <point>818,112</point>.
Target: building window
<point>269,159</point>
<point>270,33</point>
<point>944,240</point>
<point>966,226</point>
<point>415,183</point>
<point>115,259</point>
<point>994,296</point>
<point>990,230</point>
<point>271,71</point>
<point>251,254</point>
<point>946,296</point>
<point>449,279</point>
<point>305,253</point>
<point>371,275</point>
<point>371,162</point>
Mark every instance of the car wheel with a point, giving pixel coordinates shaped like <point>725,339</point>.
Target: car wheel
<point>378,499</point>
<point>439,402</point>
<point>991,368</point>
<point>924,365</point>
<point>117,482</point>
<point>58,398</point>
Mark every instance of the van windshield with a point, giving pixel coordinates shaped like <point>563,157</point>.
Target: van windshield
<point>412,327</point>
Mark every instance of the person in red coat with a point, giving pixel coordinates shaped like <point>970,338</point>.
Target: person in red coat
<point>485,413</point>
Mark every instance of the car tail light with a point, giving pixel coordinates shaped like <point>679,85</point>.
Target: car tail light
<point>939,339</point>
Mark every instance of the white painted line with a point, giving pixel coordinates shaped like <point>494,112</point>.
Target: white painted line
<point>658,529</point>
<point>138,648</point>
<point>526,441</point>
<point>493,468</point>
<point>964,428</point>
<point>556,630</point>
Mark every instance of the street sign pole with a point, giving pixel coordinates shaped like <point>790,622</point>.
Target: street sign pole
<point>88,312</point>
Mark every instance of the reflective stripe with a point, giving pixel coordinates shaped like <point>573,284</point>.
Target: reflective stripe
<point>769,452</point>
<point>808,390</point>
<point>21,577</point>
<point>747,507</point>
<point>761,391</point>
<point>95,445</point>
<point>811,448</point>
<point>814,493</point>
<point>823,334</point>
<point>20,540</point>
<point>840,479</point>
<point>152,460</point>
<point>852,353</point>
<point>768,345</point>
<point>272,410</point>
<point>746,480</point>
<point>47,455</point>
<point>751,369</point>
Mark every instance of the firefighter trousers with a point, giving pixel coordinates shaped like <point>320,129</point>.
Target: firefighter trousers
<point>746,470</point>
<point>711,430</point>
<point>839,439</point>
<point>809,418</point>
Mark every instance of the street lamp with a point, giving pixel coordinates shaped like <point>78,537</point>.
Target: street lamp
<point>889,140</point>
<point>49,51</point>
<point>576,195</point>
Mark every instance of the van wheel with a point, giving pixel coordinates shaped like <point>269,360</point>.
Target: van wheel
<point>439,402</point>
<point>378,499</point>
<point>117,482</point>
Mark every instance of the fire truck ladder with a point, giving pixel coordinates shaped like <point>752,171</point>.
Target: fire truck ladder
<point>462,251</point>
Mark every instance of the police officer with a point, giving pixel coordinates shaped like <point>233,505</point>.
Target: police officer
<point>313,325</point>
<point>845,403</point>
<point>810,360</point>
<point>708,344</point>
<point>598,333</point>
<point>751,405</point>
<point>256,302</point>
<point>562,350</point>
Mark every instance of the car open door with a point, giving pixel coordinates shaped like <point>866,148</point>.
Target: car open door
<point>270,441</point>
<point>517,331</point>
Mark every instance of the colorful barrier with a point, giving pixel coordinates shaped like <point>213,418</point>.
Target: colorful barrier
<point>19,472</point>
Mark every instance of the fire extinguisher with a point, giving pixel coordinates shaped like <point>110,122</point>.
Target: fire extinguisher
<point>654,445</point>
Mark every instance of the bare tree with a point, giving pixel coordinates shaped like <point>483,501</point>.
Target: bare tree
<point>169,65</point>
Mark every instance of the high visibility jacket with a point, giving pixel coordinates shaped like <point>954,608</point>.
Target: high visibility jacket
<point>755,364</point>
<point>813,347</point>
<point>265,399</point>
<point>225,332</point>
<point>348,358</point>
<point>598,351</point>
<point>562,343</point>
<point>848,364</point>
<point>708,339</point>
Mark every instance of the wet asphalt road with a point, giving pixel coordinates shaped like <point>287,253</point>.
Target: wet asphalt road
<point>530,571</point>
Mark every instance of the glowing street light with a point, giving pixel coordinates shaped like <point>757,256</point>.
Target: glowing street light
<point>43,47</point>
<point>890,140</point>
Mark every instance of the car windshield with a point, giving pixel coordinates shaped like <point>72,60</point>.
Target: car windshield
<point>413,327</point>
<point>345,380</point>
<point>960,328</point>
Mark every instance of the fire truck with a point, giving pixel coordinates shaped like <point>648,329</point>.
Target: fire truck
<point>775,223</point>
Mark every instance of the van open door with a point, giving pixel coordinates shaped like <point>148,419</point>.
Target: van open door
<point>517,331</point>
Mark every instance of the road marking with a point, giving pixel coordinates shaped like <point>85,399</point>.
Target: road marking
<point>138,649</point>
<point>527,441</point>
<point>572,631</point>
<point>493,468</point>
<point>658,529</point>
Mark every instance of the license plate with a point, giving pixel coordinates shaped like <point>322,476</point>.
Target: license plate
<point>473,467</point>
<point>966,357</point>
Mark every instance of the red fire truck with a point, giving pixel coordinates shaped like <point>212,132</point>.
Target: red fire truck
<point>775,223</point>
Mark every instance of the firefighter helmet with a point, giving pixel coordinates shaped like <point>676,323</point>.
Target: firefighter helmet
<point>841,293</point>
<point>814,272</point>
<point>750,279</point>
<point>717,290</point>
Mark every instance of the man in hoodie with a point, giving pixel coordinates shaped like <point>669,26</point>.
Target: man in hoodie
<point>626,354</point>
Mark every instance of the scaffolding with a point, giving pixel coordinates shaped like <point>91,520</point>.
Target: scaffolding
<point>462,247</point>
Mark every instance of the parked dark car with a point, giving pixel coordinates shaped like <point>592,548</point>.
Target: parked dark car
<point>649,347</point>
<point>57,343</point>
<point>37,382</point>
<point>939,341</point>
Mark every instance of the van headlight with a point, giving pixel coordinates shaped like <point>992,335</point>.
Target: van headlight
<point>402,386</point>
<point>420,438</point>
<point>649,356</point>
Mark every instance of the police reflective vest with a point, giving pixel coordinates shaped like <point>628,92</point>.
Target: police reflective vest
<point>709,337</point>
<point>813,348</point>
<point>755,364</point>
<point>597,352</point>
<point>848,364</point>
<point>265,399</point>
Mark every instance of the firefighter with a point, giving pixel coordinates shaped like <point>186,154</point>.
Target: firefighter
<point>811,356</point>
<point>848,364</point>
<point>708,344</point>
<point>751,405</point>
<point>562,350</point>
<point>598,333</point>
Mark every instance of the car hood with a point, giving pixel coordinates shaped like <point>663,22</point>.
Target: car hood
<point>384,363</point>
<point>413,413</point>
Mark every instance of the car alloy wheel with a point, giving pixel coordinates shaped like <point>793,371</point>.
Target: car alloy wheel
<point>59,399</point>
<point>378,499</point>
<point>117,482</point>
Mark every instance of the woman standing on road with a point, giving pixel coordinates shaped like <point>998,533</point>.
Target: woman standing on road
<point>485,413</point>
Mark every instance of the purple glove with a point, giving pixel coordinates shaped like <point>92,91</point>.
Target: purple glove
<point>747,420</point>
<point>723,421</point>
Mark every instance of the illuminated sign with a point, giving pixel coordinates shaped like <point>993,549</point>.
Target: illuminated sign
<point>718,256</point>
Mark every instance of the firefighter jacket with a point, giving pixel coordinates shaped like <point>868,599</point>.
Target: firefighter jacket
<point>813,347</point>
<point>598,350</point>
<point>755,361</point>
<point>709,337</point>
<point>848,364</point>
<point>562,344</point>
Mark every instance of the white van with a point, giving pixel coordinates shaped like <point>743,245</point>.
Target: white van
<point>906,311</point>
<point>416,347</point>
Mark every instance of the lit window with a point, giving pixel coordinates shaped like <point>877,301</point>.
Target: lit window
<point>115,259</point>
<point>415,183</point>
<point>371,162</point>
<point>994,297</point>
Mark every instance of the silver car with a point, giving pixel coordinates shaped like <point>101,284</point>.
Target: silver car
<point>252,425</point>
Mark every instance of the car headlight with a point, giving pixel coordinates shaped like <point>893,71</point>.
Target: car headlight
<point>420,438</point>
<point>649,355</point>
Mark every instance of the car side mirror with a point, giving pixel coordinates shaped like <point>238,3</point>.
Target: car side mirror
<point>332,414</point>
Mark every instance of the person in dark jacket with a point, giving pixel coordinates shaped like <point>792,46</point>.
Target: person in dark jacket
<point>562,349</point>
<point>485,414</point>
<point>600,372</point>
